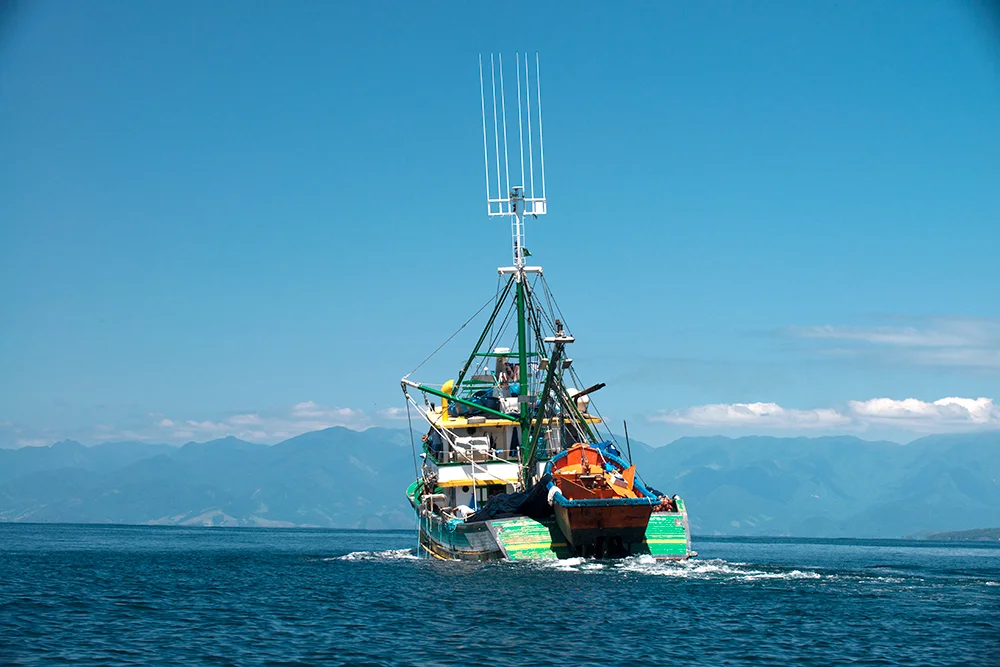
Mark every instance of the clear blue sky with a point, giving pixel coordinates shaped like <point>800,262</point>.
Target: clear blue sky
<point>256,217</point>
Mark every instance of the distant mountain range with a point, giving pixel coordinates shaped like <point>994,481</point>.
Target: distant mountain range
<point>808,487</point>
<point>831,487</point>
<point>977,535</point>
<point>335,478</point>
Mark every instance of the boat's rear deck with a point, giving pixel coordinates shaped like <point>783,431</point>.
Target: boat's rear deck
<point>521,538</point>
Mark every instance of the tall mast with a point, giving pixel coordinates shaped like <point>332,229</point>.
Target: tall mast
<point>515,200</point>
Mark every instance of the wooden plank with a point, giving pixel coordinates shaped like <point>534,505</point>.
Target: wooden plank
<point>521,538</point>
<point>666,537</point>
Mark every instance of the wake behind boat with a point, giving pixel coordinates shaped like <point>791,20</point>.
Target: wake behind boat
<point>514,462</point>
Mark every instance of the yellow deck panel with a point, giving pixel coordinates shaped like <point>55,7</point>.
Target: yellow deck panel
<point>463,422</point>
<point>479,481</point>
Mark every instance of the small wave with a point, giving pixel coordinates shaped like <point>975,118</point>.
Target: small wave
<point>563,564</point>
<point>687,569</point>
<point>794,574</point>
<point>389,554</point>
<point>993,583</point>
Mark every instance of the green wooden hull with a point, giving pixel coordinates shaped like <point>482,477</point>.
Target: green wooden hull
<point>667,537</point>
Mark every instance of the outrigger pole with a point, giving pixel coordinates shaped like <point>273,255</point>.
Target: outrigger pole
<point>456,399</point>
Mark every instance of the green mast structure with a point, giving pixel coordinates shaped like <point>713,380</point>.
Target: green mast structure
<point>524,400</point>
<point>513,198</point>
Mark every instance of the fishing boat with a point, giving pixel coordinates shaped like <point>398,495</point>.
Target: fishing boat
<point>516,461</point>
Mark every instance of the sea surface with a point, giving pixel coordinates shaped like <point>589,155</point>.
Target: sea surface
<point>123,595</point>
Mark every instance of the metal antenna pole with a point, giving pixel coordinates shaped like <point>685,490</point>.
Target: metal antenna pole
<point>541,141</point>
<point>496,133</point>
<point>486,153</point>
<point>503,111</point>
<point>520,132</point>
<point>516,201</point>
<point>531,161</point>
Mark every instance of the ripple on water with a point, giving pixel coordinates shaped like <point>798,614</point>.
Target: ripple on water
<point>148,596</point>
<point>388,554</point>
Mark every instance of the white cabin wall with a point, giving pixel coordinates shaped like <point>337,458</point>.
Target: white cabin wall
<point>463,496</point>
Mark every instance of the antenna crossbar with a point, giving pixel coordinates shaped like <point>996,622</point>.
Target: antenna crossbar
<point>513,200</point>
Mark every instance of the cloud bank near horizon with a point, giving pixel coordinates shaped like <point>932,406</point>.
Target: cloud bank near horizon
<point>946,414</point>
<point>257,426</point>
<point>950,414</point>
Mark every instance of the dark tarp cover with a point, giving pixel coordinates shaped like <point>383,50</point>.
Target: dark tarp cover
<point>533,503</point>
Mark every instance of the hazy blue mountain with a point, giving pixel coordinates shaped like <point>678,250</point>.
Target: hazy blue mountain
<point>829,487</point>
<point>71,454</point>
<point>336,477</point>
<point>977,535</point>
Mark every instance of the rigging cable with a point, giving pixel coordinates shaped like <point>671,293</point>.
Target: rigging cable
<point>492,299</point>
<point>413,444</point>
<point>416,472</point>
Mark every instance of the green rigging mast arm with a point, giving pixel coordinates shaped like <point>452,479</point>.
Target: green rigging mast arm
<point>460,401</point>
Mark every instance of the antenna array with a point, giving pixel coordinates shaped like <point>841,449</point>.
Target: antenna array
<point>524,196</point>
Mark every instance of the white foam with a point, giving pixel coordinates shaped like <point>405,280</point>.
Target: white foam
<point>686,569</point>
<point>794,574</point>
<point>707,569</point>
<point>563,564</point>
<point>389,554</point>
<point>993,583</point>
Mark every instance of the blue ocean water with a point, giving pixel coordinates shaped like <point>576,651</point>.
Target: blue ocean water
<point>121,595</point>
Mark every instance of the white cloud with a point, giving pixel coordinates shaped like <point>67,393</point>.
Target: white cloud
<point>312,410</point>
<point>392,413</point>
<point>271,426</point>
<point>306,409</point>
<point>946,414</point>
<point>244,420</point>
<point>753,415</point>
<point>208,426</point>
<point>884,335</point>
<point>941,341</point>
<point>943,412</point>
<point>973,356</point>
